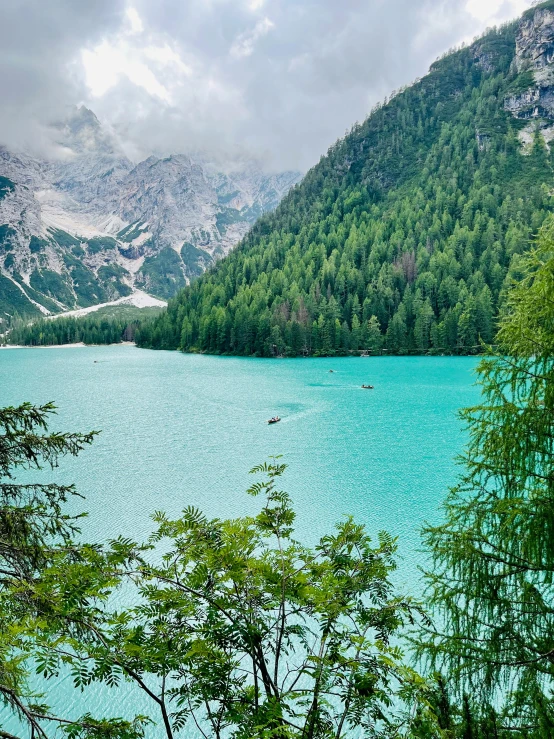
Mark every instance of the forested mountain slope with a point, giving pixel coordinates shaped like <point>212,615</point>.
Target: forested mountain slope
<point>405,233</point>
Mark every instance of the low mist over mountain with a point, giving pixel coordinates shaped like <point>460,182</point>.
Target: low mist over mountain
<point>407,234</point>
<point>87,225</point>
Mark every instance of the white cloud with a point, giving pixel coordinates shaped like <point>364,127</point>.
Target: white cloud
<point>493,12</point>
<point>100,72</point>
<point>106,64</point>
<point>244,44</point>
<point>135,21</point>
<point>280,79</point>
<point>167,57</point>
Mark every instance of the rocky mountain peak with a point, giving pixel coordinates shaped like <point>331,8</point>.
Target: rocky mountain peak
<point>532,96</point>
<point>81,118</point>
<point>80,132</point>
<point>91,225</point>
<point>535,39</point>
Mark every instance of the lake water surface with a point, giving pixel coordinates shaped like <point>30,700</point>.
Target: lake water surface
<point>182,430</point>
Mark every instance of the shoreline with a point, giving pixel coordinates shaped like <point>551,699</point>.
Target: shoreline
<point>76,345</point>
<point>81,345</point>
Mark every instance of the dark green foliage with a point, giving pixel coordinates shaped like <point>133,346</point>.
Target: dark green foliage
<point>226,218</point>
<point>521,83</point>
<point>111,276</point>
<point>6,235</point>
<point>101,243</point>
<point>63,239</point>
<point>127,312</point>
<point>35,296</point>
<point>131,232</point>
<point>411,222</point>
<point>6,186</point>
<point>548,5</point>
<point>108,271</point>
<point>491,585</point>
<point>101,327</point>
<point>54,285</point>
<point>195,260</point>
<point>224,199</point>
<point>246,632</point>
<point>37,244</point>
<point>12,300</point>
<point>162,274</point>
<point>22,446</point>
<point>87,288</point>
<point>463,718</point>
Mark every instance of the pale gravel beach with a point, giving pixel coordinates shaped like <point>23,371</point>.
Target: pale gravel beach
<point>53,346</point>
<point>138,299</point>
<point>78,345</point>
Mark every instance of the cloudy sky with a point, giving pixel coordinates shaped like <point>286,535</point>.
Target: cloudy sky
<point>276,79</point>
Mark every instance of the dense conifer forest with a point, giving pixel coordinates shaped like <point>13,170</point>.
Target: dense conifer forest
<point>105,326</point>
<point>241,630</point>
<point>402,239</point>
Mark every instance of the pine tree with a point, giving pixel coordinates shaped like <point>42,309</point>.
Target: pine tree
<point>374,338</point>
<point>493,556</point>
<point>51,586</point>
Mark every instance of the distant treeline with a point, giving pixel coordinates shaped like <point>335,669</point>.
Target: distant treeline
<point>87,329</point>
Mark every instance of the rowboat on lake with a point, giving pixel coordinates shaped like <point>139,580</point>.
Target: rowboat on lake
<point>275,419</point>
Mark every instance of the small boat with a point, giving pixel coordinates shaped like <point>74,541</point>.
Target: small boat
<point>275,419</point>
<point>331,370</point>
<point>367,387</point>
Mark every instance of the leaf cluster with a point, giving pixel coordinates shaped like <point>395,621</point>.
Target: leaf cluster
<point>491,583</point>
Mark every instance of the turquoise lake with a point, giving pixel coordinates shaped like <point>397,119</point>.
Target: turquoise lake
<point>183,429</point>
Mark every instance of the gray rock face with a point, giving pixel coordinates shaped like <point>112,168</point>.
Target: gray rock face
<point>91,225</point>
<point>535,40</point>
<point>174,197</point>
<point>483,59</point>
<point>534,63</point>
<point>524,105</point>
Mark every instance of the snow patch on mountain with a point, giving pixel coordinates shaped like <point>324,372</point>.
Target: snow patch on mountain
<point>91,226</point>
<point>138,299</point>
